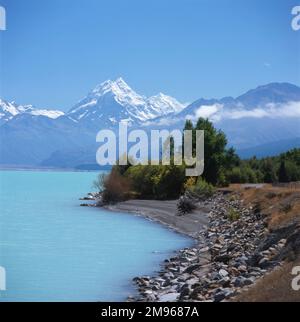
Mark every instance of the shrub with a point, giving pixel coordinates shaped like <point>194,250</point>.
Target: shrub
<point>185,205</point>
<point>158,182</point>
<point>202,189</point>
<point>168,183</point>
<point>190,182</point>
<point>233,214</point>
<point>114,187</point>
<point>235,175</point>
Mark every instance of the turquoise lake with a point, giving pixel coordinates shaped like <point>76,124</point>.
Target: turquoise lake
<point>54,250</point>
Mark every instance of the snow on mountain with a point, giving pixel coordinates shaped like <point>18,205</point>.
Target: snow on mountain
<point>164,104</point>
<point>268,113</point>
<point>52,114</point>
<point>9,110</point>
<point>114,101</point>
<point>29,136</point>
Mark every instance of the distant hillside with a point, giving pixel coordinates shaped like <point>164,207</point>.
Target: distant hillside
<point>263,121</point>
<point>270,149</point>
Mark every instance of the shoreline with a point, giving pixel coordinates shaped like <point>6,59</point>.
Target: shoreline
<point>164,213</point>
<point>228,257</point>
<point>234,249</point>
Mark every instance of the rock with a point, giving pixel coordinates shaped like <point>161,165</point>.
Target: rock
<point>220,296</point>
<point>196,292</point>
<point>223,273</point>
<point>223,258</point>
<point>169,297</point>
<point>242,268</point>
<point>215,276</point>
<point>263,263</point>
<point>185,292</point>
<point>166,282</point>
<point>223,294</point>
<point>192,281</point>
<point>151,297</point>
<point>192,268</point>
<point>204,250</point>
<point>248,281</point>
<point>225,281</point>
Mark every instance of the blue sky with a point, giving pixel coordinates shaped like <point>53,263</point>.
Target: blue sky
<point>55,51</point>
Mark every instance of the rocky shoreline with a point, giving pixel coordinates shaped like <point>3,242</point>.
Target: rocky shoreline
<point>231,254</point>
<point>233,249</point>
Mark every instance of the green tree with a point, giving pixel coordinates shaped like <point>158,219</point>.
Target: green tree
<point>269,171</point>
<point>214,150</point>
<point>282,173</point>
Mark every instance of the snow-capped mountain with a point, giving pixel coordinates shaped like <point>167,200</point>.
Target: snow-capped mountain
<point>268,113</point>
<point>114,101</point>
<point>266,116</point>
<point>9,110</point>
<point>278,93</point>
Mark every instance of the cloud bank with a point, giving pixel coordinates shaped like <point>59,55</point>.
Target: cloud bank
<point>219,112</point>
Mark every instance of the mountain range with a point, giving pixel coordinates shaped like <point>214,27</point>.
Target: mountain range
<point>263,121</point>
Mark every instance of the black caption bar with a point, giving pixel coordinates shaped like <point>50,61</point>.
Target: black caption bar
<point>128,311</point>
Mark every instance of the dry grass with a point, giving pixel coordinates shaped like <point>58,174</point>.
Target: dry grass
<point>281,206</point>
<point>274,287</point>
<point>116,187</point>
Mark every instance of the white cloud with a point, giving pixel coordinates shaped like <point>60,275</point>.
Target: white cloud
<point>218,112</point>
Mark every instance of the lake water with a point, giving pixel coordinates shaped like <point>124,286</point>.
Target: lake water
<point>54,250</point>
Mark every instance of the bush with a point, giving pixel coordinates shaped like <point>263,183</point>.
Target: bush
<point>157,182</point>
<point>235,175</point>
<point>244,174</point>
<point>202,189</point>
<point>233,214</point>
<point>169,182</point>
<point>113,187</point>
<point>185,205</point>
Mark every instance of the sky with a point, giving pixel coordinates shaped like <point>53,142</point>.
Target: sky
<point>55,51</point>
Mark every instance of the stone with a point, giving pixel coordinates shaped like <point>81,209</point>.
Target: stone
<point>204,250</point>
<point>192,268</point>
<point>185,292</point>
<point>166,282</point>
<point>223,273</point>
<point>242,268</point>
<point>169,297</point>
<point>225,281</point>
<point>196,292</point>
<point>242,281</point>
<point>223,258</point>
<point>220,296</point>
<point>263,263</point>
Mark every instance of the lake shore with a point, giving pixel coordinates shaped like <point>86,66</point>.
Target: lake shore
<point>165,213</point>
<point>240,244</point>
<point>232,250</point>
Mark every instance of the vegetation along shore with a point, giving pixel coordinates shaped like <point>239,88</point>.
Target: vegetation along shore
<point>243,214</point>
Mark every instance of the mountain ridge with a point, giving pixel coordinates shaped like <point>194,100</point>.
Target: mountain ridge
<point>37,136</point>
